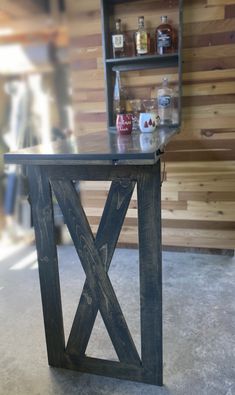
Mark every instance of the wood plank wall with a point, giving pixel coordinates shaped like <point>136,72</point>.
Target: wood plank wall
<point>198,196</point>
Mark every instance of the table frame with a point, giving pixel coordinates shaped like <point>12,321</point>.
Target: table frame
<point>95,254</point>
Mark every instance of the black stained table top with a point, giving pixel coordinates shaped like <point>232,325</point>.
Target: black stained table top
<point>97,148</point>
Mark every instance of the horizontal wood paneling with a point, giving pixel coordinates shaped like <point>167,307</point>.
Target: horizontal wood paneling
<point>199,190</point>
<point>20,8</point>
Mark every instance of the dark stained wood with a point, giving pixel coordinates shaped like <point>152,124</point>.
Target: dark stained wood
<point>204,40</point>
<point>149,215</point>
<point>198,156</point>
<point>87,41</point>
<point>100,147</point>
<point>106,8</point>
<point>42,210</point>
<point>201,145</point>
<point>94,117</point>
<point>107,236</point>
<point>143,7</point>
<point>144,62</point>
<point>84,64</point>
<point>91,14</point>
<point>106,368</point>
<point>97,173</point>
<point>99,283</point>
<point>218,63</point>
<point>192,224</point>
<point>190,101</point>
<point>96,255</point>
<point>230,11</point>
<point>216,131</point>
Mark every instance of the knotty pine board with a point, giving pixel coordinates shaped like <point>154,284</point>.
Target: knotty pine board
<point>198,194</point>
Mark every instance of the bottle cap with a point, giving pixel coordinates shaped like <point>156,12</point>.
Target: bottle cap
<point>141,21</point>
<point>165,81</point>
<point>118,22</point>
<point>164,18</point>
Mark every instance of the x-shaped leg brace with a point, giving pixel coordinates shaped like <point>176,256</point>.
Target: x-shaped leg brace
<point>95,256</point>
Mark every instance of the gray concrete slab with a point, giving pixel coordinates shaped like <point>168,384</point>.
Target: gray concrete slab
<point>199,325</point>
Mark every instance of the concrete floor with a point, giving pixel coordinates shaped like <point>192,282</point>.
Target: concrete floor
<point>199,325</point>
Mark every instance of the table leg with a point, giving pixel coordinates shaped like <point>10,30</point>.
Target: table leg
<point>42,210</point>
<point>149,215</point>
<point>95,255</point>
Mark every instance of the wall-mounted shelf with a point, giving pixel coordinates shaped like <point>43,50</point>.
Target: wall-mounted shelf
<point>143,62</point>
<point>109,11</point>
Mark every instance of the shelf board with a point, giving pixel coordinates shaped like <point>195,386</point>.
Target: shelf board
<point>143,62</point>
<point>173,126</point>
<point>120,1</point>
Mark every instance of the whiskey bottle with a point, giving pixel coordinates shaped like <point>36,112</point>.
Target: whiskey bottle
<point>142,39</point>
<point>165,103</point>
<point>164,37</point>
<point>118,40</point>
<point>119,105</point>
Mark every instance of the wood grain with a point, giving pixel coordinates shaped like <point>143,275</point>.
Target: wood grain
<point>98,282</point>
<point>43,220</point>
<point>115,210</point>
<point>149,216</point>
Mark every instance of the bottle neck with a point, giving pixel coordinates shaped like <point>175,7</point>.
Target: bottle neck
<point>118,28</point>
<point>165,83</point>
<point>118,78</point>
<point>164,19</point>
<point>141,24</point>
<point>117,87</point>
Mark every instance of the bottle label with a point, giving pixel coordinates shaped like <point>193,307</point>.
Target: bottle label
<point>164,40</point>
<point>118,41</point>
<point>164,101</point>
<point>142,43</point>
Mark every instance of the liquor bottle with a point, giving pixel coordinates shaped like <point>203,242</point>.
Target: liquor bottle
<point>142,39</point>
<point>119,106</point>
<point>118,40</point>
<point>165,103</point>
<point>164,37</point>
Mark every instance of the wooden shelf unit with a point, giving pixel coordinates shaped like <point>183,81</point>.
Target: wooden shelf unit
<point>135,63</point>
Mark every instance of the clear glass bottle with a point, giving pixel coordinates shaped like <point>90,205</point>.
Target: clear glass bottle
<point>165,103</point>
<point>142,39</point>
<point>118,40</point>
<point>164,37</point>
<point>119,105</point>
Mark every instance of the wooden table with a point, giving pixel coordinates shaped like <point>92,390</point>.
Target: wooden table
<point>126,161</point>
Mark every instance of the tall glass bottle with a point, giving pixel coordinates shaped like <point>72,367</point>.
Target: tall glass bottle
<point>142,39</point>
<point>164,37</point>
<point>118,40</point>
<point>165,103</point>
<point>119,106</point>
